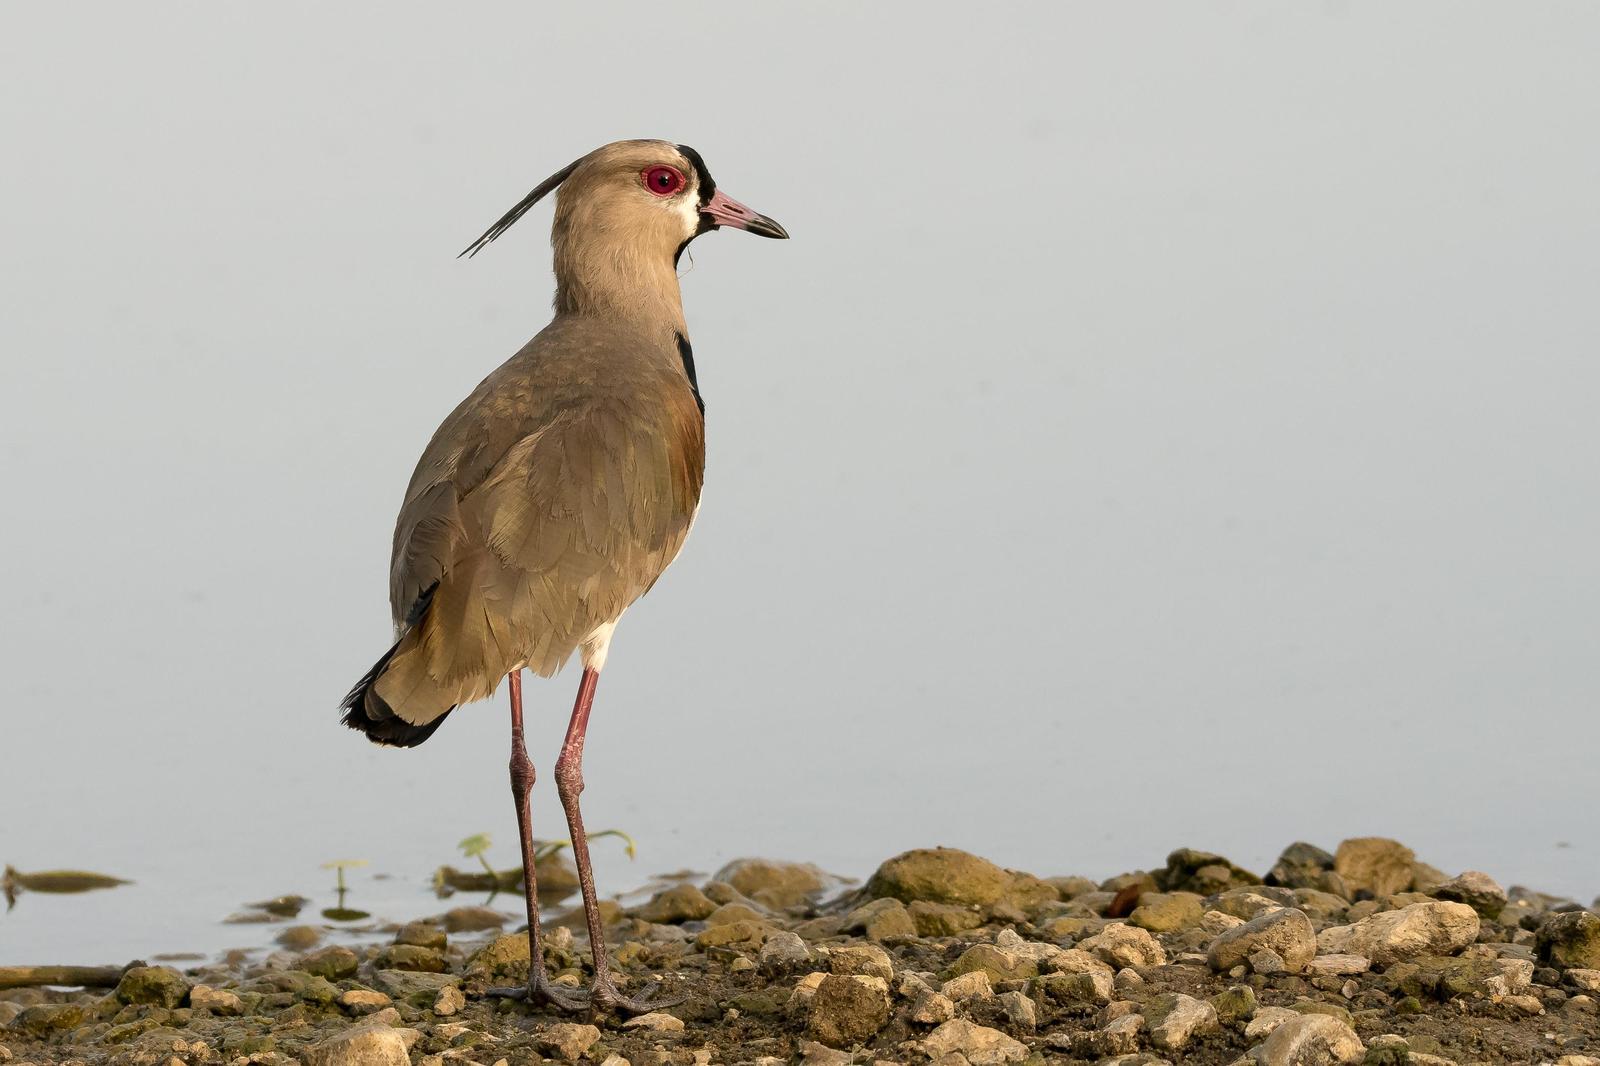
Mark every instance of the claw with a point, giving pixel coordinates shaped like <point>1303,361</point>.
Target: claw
<point>604,996</point>
<point>543,993</point>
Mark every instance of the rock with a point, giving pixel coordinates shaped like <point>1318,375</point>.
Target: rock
<point>1235,1003</point>
<point>300,937</point>
<point>1309,1040</point>
<point>980,1045</point>
<point>1586,979</point>
<point>734,911</point>
<point>567,1040</point>
<point>449,1001</point>
<point>361,1045</point>
<point>745,935</point>
<point>1167,912</point>
<point>1266,1019</point>
<point>811,1054</point>
<point>420,989</point>
<point>1174,1018</point>
<point>680,903</point>
<point>1338,965</point>
<point>1300,866</point>
<point>974,984</point>
<point>940,875</point>
<point>504,956</point>
<point>1019,1010</point>
<point>942,919</point>
<point>158,985</point>
<point>1201,872</point>
<point>783,951</point>
<point>1425,878</point>
<point>1447,977</point>
<point>1477,890</point>
<point>421,935</point>
<point>868,959</point>
<point>215,1000</point>
<point>1287,932</point>
<point>932,1008</point>
<point>1248,903</point>
<point>881,919</point>
<point>999,964</point>
<point>1126,945</point>
<point>779,885</point>
<point>1374,865</point>
<point>331,963</point>
<point>655,1021</point>
<point>411,957</point>
<point>1570,939</point>
<point>42,1019</point>
<point>1267,962</point>
<point>1320,906</point>
<point>847,1009</point>
<point>1216,922</point>
<point>473,919</point>
<point>1436,928</point>
<point>1072,991</point>
<point>363,1000</point>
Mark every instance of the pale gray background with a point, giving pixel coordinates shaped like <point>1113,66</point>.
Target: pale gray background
<point>1169,425</point>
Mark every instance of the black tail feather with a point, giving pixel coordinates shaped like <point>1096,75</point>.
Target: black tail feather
<point>365,710</point>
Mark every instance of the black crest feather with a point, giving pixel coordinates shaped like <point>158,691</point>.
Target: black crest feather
<point>539,192</point>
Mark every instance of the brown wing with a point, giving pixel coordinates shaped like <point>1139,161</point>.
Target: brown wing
<point>530,541</point>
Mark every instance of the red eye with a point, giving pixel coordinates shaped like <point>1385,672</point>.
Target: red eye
<point>663,181</point>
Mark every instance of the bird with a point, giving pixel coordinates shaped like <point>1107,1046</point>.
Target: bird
<point>557,493</point>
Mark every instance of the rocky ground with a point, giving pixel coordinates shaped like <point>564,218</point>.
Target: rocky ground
<point>1363,956</point>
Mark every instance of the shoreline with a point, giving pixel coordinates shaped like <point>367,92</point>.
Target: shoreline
<point>1360,955</point>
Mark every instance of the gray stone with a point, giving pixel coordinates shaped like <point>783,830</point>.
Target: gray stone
<point>1300,866</point>
<point>361,1045</point>
<point>783,951</point>
<point>1477,890</point>
<point>1287,932</point>
<point>680,903</point>
<point>567,1040</point>
<point>881,919</point>
<point>1175,1018</point>
<point>1570,940</point>
<point>215,1000</point>
<point>1126,945</point>
<point>847,1009</point>
<point>158,985</point>
<point>1309,1040</point>
<point>1375,865</point>
<point>980,1045</point>
<point>1436,928</point>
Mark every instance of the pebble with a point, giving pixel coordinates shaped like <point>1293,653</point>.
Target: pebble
<point>1477,890</point>
<point>680,903</point>
<point>847,1009</point>
<point>932,1008</point>
<point>1126,945</point>
<point>1019,1010</point>
<point>981,1045</point>
<point>1588,980</point>
<point>215,1000</point>
<point>1310,1038</point>
<point>1434,928</point>
<point>567,1040</point>
<point>881,919</point>
<point>1337,965</point>
<point>974,984</point>
<point>1570,939</point>
<point>1374,864</point>
<point>869,959</point>
<point>783,951</point>
<point>1174,1018</point>
<point>473,919</point>
<point>655,1021</point>
<point>1286,932</point>
<point>361,1045</point>
<point>449,1000</point>
<point>363,1000</point>
<point>1267,1019</point>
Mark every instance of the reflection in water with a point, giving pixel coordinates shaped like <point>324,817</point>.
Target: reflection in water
<point>14,882</point>
<point>341,913</point>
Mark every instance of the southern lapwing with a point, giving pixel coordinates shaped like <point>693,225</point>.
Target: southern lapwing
<point>557,493</point>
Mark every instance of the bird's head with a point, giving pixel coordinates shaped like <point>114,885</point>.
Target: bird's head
<point>653,196</point>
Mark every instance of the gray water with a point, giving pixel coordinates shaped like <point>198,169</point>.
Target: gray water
<point>1169,425</point>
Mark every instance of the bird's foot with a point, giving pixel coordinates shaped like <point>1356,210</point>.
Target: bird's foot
<point>540,991</point>
<point>603,995</point>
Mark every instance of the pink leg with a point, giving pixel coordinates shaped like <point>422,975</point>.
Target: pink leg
<point>569,783</point>
<point>540,989</point>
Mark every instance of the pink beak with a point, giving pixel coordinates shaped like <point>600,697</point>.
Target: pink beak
<point>724,210</point>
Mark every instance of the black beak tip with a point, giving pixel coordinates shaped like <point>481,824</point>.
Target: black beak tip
<point>762,226</point>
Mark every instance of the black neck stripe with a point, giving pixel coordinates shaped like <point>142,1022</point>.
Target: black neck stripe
<point>708,184</point>
<point>686,353</point>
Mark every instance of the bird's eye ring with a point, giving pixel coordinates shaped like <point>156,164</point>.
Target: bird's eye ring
<point>663,181</point>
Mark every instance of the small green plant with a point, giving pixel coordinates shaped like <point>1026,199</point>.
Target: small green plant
<point>473,848</point>
<point>341,913</point>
